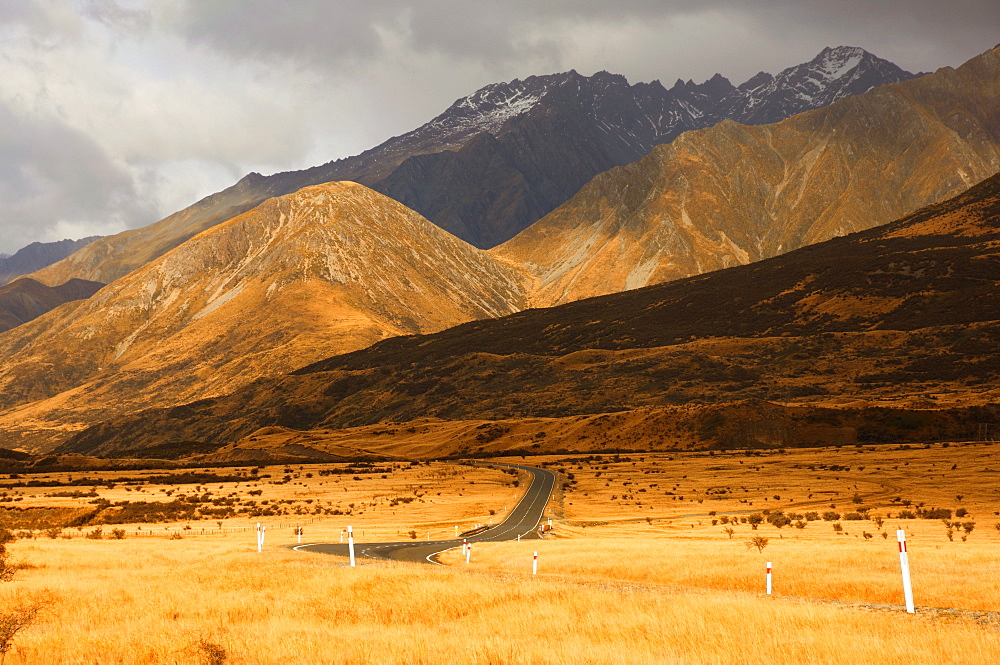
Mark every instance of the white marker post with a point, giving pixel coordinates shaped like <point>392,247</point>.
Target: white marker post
<point>465,545</point>
<point>468,553</point>
<point>518,537</point>
<point>350,543</point>
<point>260,539</point>
<point>534,564</point>
<point>904,565</point>
<point>298,533</point>
<point>769,578</point>
<point>456,531</point>
<point>341,536</point>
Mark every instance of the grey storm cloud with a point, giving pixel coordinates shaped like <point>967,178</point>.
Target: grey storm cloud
<point>337,33</point>
<point>115,113</point>
<point>52,173</point>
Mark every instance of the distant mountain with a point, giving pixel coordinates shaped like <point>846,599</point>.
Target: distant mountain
<point>733,194</point>
<point>902,313</point>
<point>833,74</point>
<point>328,269</point>
<point>26,299</point>
<point>36,256</point>
<point>501,158</point>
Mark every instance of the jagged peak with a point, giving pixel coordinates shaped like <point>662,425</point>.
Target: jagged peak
<point>605,76</point>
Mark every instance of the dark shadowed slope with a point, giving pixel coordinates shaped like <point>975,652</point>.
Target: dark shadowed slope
<point>25,299</point>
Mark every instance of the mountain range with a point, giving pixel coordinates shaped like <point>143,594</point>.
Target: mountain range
<point>213,299</point>
<point>36,256</point>
<point>499,159</point>
<point>906,313</point>
<point>733,194</point>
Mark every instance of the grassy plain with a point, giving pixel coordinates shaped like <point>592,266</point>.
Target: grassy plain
<point>626,576</point>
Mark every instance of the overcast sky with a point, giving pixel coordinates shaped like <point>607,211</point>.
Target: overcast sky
<point>116,113</point>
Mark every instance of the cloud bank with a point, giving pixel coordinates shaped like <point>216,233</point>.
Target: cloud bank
<point>116,113</point>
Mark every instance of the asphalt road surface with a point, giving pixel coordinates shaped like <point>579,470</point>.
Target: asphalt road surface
<point>522,521</point>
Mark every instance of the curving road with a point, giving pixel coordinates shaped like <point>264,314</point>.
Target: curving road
<point>522,521</point>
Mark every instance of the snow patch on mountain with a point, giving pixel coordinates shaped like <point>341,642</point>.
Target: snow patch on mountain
<point>835,63</point>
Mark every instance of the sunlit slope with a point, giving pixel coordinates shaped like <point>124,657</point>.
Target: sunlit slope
<point>329,269</point>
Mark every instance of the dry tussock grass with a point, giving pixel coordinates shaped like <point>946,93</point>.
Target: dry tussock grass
<point>145,601</point>
<point>673,589</point>
<point>961,575</point>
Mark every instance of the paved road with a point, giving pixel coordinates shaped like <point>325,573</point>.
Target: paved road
<point>522,521</point>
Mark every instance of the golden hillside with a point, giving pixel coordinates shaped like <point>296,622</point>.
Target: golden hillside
<point>733,194</point>
<point>329,269</point>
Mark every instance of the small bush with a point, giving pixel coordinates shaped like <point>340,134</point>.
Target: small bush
<point>14,621</point>
<point>118,534</point>
<point>831,516</point>
<point>961,512</point>
<point>854,517</point>
<point>936,514</point>
<point>211,653</point>
<point>838,527</point>
<point>906,515</point>
<point>96,534</point>
<point>176,536</point>
<point>759,542</point>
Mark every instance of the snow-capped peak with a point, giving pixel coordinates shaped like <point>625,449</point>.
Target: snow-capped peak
<point>833,63</point>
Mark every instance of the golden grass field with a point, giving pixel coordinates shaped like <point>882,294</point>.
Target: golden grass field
<point>613,586</point>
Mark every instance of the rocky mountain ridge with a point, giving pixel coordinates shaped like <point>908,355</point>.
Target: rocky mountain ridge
<point>732,194</point>
<point>36,256</point>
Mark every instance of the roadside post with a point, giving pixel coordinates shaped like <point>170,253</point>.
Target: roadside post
<point>260,537</point>
<point>769,578</point>
<point>904,566</point>
<point>298,534</point>
<point>350,544</point>
<point>468,553</point>
<point>465,545</point>
<point>341,536</point>
<point>534,564</point>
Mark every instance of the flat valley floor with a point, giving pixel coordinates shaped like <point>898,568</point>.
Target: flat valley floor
<point>653,558</point>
